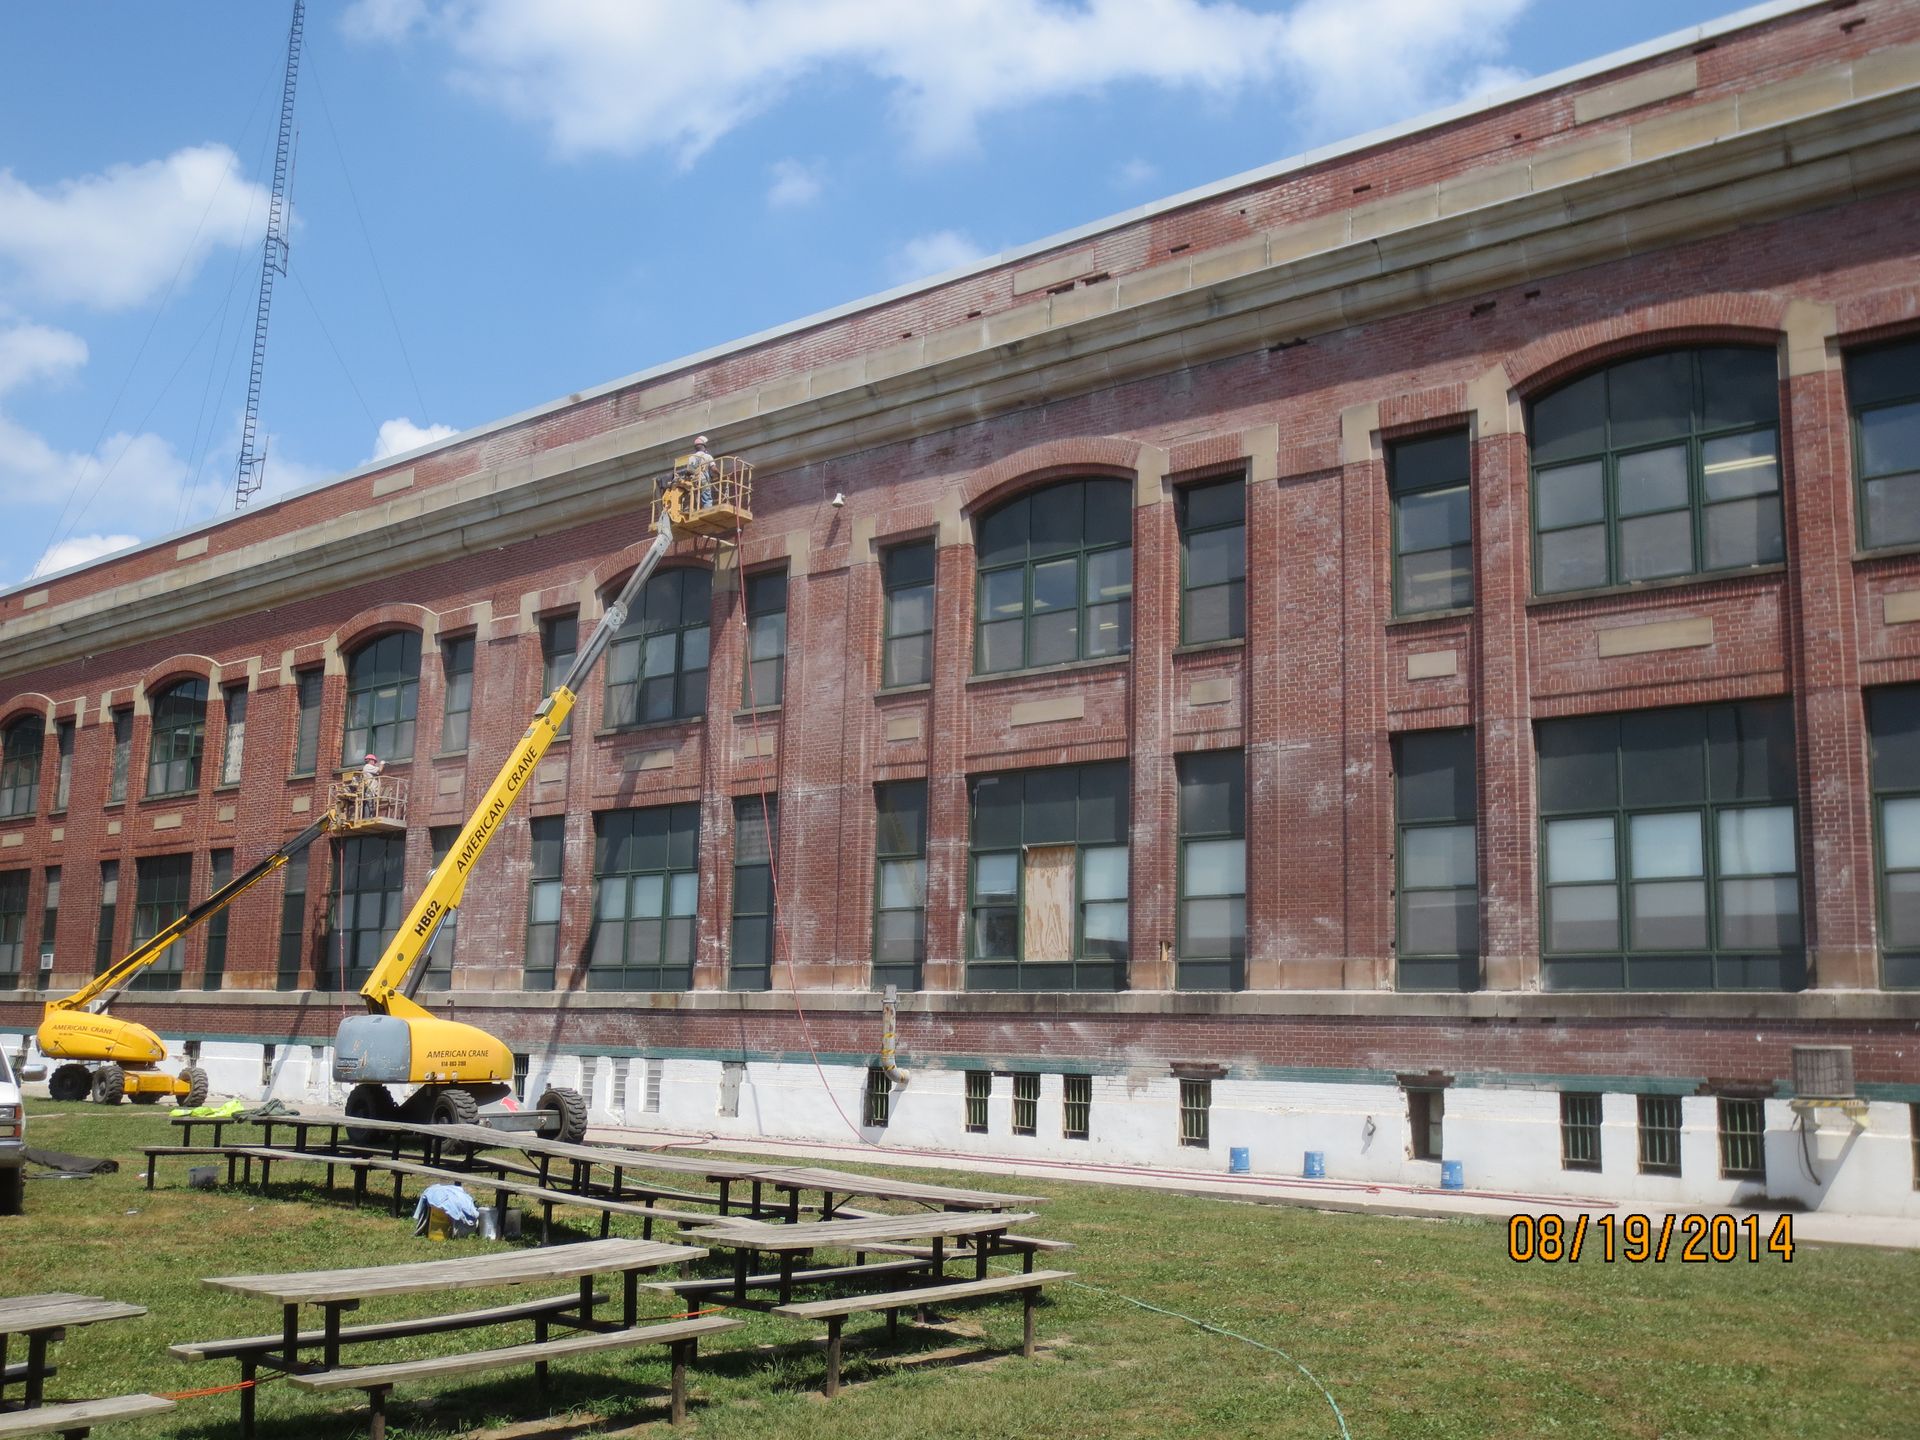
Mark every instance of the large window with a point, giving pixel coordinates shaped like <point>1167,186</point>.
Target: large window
<point>543,900</point>
<point>900,883</point>
<point>63,776</point>
<point>293,923</point>
<point>20,750</point>
<point>559,643</point>
<point>161,886</point>
<point>368,907</point>
<point>383,697</point>
<point>103,951</point>
<point>1432,523</point>
<point>233,751</point>
<point>1883,387</point>
<point>764,680</point>
<point>756,838</point>
<point>179,734</point>
<point>646,898</point>
<point>1893,723</point>
<point>1661,465</point>
<point>456,711</point>
<point>1669,850</point>
<point>122,756</point>
<point>220,872</point>
<point>307,688</point>
<point>13,924</point>
<point>1056,576</point>
<point>1213,561</point>
<point>439,974</point>
<point>1439,910</point>
<point>907,573</point>
<point>657,664</point>
<point>49,914</point>
<point>1048,880</point>
<point>1212,949</point>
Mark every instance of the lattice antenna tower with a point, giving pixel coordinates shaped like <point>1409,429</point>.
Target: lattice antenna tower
<point>273,261</point>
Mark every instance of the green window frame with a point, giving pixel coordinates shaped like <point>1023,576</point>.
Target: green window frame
<point>63,732</point>
<point>13,923</point>
<point>162,891</point>
<point>1213,560</point>
<point>1026,1103</point>
<point>1429,482</point>
<point>1055,581</point>
<point>1659,1134</point>
<point>547,836</point>
<point>1210,952</point>
<point>756,850</point>
<point>49,913</point>
<point>122,756</point>
<point>1669,845</point>
<point>456,706</point>
<point>877,1107</point>
<point>21,747</point>
<point>979,1100</point>
<point>233,739</point>
<point>179,735</point>
<point>383,699</point>
<point>368,906</point>
<point>1436,866</point>
<point>103,951</point>
<point>1196,1113</point>
<point>763,679</point>
<point>559,643</point>
<point>309,688</point>
<point>1579,1131</point>
<point>439,972</point>
<point>1743,1138</point>
<point>646,880</point>
<point>907,577</point>
<point>1076,1114</point>
<point>657,663</point>
<point>292,960</point>
<point>219,873</point>
<point>1020,822</point>
<point>1883,392</point>
<point>1893,734</point>
<point>899,883</point>
<point>1658,466</point>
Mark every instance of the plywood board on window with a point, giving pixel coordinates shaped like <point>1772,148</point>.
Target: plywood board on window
<point>1048,920</point>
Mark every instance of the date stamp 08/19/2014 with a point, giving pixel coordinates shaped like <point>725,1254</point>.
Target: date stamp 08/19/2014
<point>1639,1239</point>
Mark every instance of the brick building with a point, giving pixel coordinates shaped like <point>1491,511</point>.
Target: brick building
<point>1409,653</point>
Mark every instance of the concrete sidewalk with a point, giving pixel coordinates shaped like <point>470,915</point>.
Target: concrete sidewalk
<point>1358,1197</point>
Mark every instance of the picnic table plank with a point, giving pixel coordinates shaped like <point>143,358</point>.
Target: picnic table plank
<point>845,1182</point>
<point>851,1234</point>
<point>58,1310</point>
<point>522,1267</point>
<point>76,1417</point>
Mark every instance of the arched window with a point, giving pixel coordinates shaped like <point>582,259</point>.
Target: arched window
<point>383,695</point>
<point>1660,465</point>
<point>20,749</point>
<point>1056,576</point>
<point>179,735</point>
<point>657,664</point>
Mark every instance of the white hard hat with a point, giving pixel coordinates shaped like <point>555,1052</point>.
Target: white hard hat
<point>699,439</point>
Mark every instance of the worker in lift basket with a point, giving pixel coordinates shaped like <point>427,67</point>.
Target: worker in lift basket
<point>700,469</point>
<point>370,785</point>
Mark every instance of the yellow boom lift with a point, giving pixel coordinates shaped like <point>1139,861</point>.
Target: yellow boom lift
<point>110,1059</point>
<point>458,1068</point>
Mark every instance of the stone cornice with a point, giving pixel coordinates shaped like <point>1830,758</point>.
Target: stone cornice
<point>1677,186</point>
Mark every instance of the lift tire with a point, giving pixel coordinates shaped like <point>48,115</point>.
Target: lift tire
<point>369,1102</point>
<point>109,1084</point>
<point>453,1106</point>
<point>197,1084</point>
<point>571,1111</point>
<point>13,1191</point>
<point>145,1097</point>
<point>70,1082</point>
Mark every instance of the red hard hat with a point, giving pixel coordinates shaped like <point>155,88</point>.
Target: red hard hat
<point>373,757</point>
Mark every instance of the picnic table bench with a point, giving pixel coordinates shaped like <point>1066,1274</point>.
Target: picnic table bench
<point>45,1319</point>
<point>339,1291</point>
<point>747,1238</point>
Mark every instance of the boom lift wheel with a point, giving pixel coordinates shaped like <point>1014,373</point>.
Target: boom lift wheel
<point>369,1102</point>
<point>70,1082</point>
<point>109,1084</point>
<point>571,1112</point>
<point>197,1085</point>
<point>454,1106</point>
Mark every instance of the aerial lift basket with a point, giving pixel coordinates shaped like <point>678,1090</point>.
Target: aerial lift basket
<point>713,500</point>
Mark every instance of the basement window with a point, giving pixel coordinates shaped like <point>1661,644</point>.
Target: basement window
<point>879,1099</point>
<point>1196,1110</point>
<point>1743,1134</point>
<point>1659,1134</point>
<point>1026,1104</point>
<point>1426,1112</point>
<point>1078,1106</point>
<point>979,1093</point>
<point>1579,1132</point>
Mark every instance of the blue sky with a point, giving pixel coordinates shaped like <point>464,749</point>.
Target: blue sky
<point>498,202</point>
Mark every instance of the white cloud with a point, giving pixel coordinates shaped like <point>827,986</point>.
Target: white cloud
<point>30,352</point>
<point>933,254</point>
<point>115,239</point>
<point>78,551</point>
<point>1134,173</point>
<point>614,76</point>
<point>794,184</point>
<point>400,435</point>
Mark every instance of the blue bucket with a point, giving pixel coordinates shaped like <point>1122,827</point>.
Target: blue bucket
<point>1239,1160</point>
<point>1316,1165</point>
<point>1452,1177</point>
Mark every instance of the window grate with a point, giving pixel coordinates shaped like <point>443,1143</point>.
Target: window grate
<point>520,1068</point>
<point>979,1092</point>
<point>1579,1132</point>
<point>1196,1105</point>
<point>879,1099</point>
<point>1743,1134</point>
<point>651,1104</point>
<point>1659,1134</point>
<point>1077,1106</point>
<point>1026,1104</point>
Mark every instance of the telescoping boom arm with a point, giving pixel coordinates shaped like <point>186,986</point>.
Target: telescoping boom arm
<point>387,989</point>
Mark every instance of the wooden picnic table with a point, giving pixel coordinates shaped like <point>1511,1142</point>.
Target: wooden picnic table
<point>795,1178</point>
<point>747,1238</point>
<point>43,1319</point>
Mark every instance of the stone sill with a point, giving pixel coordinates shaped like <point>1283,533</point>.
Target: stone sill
<point>1671,582</point>
<point>1459,612</point>
<point>1069,667</point>
<point>1210,647</point>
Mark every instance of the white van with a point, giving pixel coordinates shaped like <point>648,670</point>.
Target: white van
<point>13,1135</point>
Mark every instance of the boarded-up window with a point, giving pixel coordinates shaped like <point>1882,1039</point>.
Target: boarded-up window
<point>1049,902</point>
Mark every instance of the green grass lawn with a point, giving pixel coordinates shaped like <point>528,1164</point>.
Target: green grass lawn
<point>1421,1329</point>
